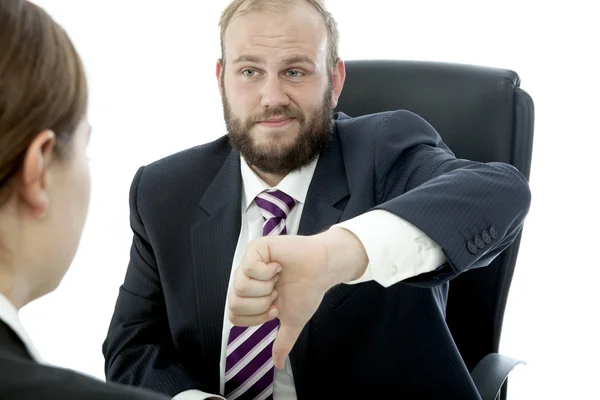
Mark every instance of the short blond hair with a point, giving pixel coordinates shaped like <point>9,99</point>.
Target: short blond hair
<point>240,7</point>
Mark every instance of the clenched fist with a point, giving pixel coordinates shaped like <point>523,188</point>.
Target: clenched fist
<point>287,276</point>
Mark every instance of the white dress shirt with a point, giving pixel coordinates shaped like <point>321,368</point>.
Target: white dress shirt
<point>397,250</point>
<point>10,316</point>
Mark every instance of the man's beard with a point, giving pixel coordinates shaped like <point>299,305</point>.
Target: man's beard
<point>314,135</point>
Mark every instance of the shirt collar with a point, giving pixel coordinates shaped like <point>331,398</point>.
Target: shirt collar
<point>10,316</point>
<point>295,184</point>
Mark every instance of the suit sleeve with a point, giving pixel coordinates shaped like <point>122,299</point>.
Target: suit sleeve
<point>472,210</point>
<point>138,349</point>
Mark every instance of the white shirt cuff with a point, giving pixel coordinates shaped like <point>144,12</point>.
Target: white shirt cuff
<point>396,249</point>
<point>196,395</point>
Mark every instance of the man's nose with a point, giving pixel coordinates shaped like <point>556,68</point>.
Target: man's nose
<point>273,93</point>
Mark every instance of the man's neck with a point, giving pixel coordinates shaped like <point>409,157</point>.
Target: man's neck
<point>270,179</point>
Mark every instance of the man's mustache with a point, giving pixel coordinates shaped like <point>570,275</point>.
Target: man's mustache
<point>278,112</point>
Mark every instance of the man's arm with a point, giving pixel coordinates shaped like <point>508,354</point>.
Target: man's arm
<point>472,210</point>
<point>466,200</point>
<point>138,349</point>
<point>396,249</point>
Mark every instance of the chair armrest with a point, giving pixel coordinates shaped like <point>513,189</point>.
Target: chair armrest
<point>491,372</point>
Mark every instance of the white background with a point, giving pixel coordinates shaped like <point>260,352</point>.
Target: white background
<point>151,67</point>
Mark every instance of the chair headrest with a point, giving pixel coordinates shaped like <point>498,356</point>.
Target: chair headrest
<point>471,107</point>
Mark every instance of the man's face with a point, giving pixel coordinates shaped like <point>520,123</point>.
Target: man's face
<point>277,91</point>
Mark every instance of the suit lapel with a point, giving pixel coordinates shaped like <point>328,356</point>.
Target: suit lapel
<point>214,239</point>
<point>328,188</point>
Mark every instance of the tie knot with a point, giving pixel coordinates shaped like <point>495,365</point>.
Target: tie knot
<point>274,204</point>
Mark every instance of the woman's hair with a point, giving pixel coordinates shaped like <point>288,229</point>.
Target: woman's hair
<point>42,86</point>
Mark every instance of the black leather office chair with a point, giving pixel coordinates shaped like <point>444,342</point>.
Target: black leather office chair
<point>482,114</point>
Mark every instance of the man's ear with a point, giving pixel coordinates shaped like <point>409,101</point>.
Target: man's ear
<point>34,178</point>
<point>338,79</point>
<point>220,71</point>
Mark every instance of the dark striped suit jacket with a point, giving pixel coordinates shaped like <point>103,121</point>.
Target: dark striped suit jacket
<point>364,339</point>
<point>21,378</point>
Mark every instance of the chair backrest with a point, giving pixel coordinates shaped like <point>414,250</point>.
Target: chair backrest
<point>482,114</point>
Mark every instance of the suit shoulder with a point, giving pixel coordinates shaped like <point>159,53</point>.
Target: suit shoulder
<point>196,155</point>
<point>26,380</point>
<point>388,125</point>
<point>379,117</point>
<point>194,166</point>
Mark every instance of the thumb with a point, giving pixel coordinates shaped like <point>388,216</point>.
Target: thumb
<point>285,340</point>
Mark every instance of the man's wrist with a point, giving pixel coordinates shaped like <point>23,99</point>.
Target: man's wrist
<point>346,257</point>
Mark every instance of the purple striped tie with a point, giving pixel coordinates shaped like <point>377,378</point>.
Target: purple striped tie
<point>249,369</point>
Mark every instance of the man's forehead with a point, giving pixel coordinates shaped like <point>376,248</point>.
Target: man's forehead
<point>293,27</point>
<point>282,58</point>
<point>290,48</point>
<point>298,10</point>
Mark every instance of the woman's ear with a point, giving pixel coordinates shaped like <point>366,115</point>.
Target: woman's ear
<point>34,177</point>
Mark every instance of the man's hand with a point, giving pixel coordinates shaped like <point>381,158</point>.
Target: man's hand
<point>287,277</point>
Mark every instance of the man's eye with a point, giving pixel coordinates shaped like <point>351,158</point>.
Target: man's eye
<point>294,74</point>
<point>249,72</point>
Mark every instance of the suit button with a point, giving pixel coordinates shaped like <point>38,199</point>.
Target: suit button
<point>494,231</point>
<point>486,236</point>
<point>472,247</point>
<point>479,242</point>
